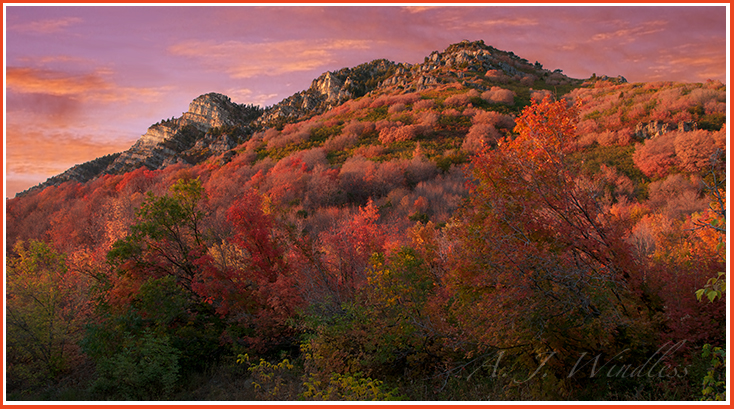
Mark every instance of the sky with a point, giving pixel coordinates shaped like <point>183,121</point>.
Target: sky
<point>85,81</point>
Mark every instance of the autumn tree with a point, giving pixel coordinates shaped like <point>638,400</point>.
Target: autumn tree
<point>167,239</point>
<point>334,265</point>
<point>541,266</point>
<point>46,311</point>
<point>252,288</point>
<point>151,282</point>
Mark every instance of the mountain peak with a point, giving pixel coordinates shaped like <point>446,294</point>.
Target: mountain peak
<point>214,124</point>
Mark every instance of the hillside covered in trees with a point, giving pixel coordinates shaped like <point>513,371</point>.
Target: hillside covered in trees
<point>471,228</point>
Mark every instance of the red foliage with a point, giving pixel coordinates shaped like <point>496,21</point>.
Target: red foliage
<point>426,104</point>
<point>681,262</point>
<point>655,157</point>
<point>346,249</point>
<point>676,196</point>
<point>257,288</point>
<point>539,263</point>
<point>399,133</point>
<point>479,136</point>
<point>695,149</point>
<point>458,100</point>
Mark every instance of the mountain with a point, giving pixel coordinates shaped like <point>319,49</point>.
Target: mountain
<point>214,124</point>
<point>390,213</point>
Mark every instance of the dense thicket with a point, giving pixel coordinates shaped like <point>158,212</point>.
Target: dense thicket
<point>448,244</point>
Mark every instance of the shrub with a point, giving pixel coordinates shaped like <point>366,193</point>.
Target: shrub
<point>424,104</point>
<point>458,100</point>
<point>145,369</point>
<point>272,381</point>
<point>497,95</point>
<point>539,95</point>
<point>396,108</point>
<point>351,387</point>
<point>480,135</point>
<point>694,149</point>
<point>656,156</point>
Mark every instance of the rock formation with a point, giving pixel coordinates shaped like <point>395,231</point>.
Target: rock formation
<point>647,130</point>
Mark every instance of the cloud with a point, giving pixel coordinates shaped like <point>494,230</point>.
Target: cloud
<point>628,34</point>
<point>46,150</point>
<point>48,26</point>
<point>506,22</point>
<point>91,86</point>
<point>419,9</point>
<point>50,82</point>
<point>698,66</point>
<point>246,60</point>
<point>52,59</point>
<point>35,153</point>
<point>246,96</point>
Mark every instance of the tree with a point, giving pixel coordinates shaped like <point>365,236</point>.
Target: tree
<point>45,313</point>
<point>152,279</point>
<point>541,266</point>
<point>254,290</point>
<point>167,240</point>
<point>655,157</point>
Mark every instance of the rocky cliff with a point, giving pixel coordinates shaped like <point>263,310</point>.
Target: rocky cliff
<point>327,91</point>
<point>468,62</point>
<point>212,125</point>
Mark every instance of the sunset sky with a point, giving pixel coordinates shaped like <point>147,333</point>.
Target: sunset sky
<point>82,82</point>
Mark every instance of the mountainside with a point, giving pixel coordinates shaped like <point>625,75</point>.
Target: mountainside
<point>214,124</point>
<point>394,232</point>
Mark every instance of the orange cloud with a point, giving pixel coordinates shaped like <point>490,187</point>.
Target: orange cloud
<point>40,81</point>
<point>83,87</point>
<point>245,60</point>
<point>35,153</point>
<point>419,9</point>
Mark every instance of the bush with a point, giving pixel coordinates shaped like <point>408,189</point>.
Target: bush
<point>351,387</point>
<point>146,369</point>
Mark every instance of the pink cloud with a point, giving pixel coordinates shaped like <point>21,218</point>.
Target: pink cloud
<point>245,60</point>
<point>48,26</point>
<point>628,34</point>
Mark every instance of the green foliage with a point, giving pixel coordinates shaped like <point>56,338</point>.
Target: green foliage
<point>322,133</point>
<point>617,156</point>
<point>714,383</point>
<point>714,288</point>
<point>377,113</point>
<point>46,307</point>
<point>386,334</point>
<point>711,122</point>
<point>419,217</point>
<point>271,381</point>
<point>318,136</point>
<point>350,387</point>
<point>454,122</point>
<point>166,237</point>
<point>146,368</point>
<point>445,162</point>
<point>593,115</point>
<point>149,302</point>
<point>285,381</point>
